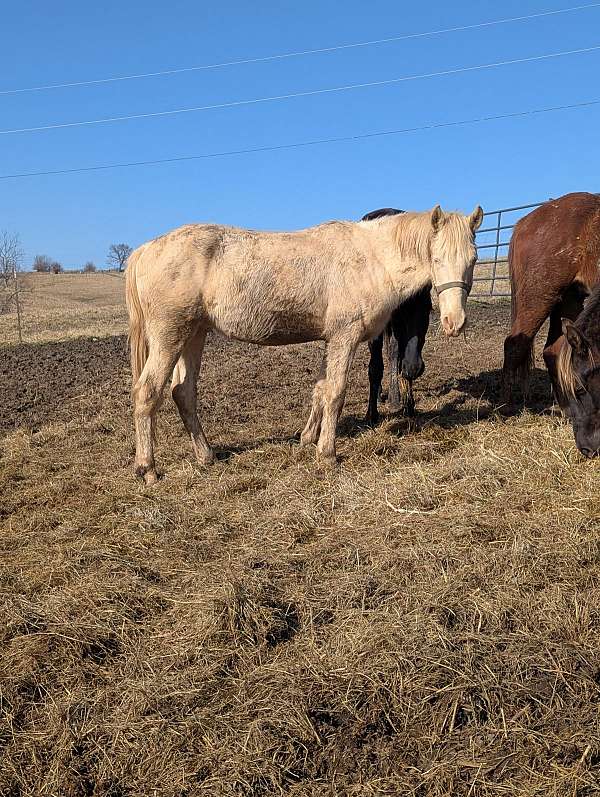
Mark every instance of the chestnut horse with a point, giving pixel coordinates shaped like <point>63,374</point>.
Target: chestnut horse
<point>338,282</point>
<point>554,259</point>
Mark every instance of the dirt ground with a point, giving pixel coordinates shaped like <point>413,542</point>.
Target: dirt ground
<point>423,621</point>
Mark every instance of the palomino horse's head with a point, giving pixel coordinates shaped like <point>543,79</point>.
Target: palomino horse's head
<point>453,256</point>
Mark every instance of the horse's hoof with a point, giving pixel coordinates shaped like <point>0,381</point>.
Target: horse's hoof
<point>147,474</point>
<point>207,459</point>
<point>372,420</point>
<point>329,462</point>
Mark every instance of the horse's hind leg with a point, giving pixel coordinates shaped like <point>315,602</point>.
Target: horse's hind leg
<point>184,392</point>
<point>339,360</point>
<point>310,433</point>
<point>518,347</point>
<point>147,397</point>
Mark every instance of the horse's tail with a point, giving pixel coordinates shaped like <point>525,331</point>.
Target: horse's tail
<point>138,343</point>
<point>511,274</point>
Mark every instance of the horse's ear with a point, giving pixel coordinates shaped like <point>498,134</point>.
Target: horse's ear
<point>476,218</point>
<point>575,337</point>
<point>437,218</point>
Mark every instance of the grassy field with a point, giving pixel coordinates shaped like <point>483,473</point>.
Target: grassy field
<point>424,621</point>
<point>64,306</point>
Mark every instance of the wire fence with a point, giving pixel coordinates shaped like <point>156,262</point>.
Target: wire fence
<point>492,276</point>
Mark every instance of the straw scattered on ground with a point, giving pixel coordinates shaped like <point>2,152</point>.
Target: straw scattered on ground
<point>424,621</point>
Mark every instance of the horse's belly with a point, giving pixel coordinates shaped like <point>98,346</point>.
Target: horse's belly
<point>270,328</point>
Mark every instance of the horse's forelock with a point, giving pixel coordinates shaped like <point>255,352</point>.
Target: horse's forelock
<point>414,233</point>
<point>456,237</point>
<point>568,378</point>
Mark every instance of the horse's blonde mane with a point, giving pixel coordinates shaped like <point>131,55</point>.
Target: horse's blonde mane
<point>413,234</point>
<point>568,379</point>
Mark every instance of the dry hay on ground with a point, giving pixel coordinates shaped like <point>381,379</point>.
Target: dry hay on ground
<point>423,622</point>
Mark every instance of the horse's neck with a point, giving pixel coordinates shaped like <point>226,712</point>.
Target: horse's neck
<point>406,271</point>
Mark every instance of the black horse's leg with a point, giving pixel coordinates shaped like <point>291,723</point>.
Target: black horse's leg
<point>393,353</point>
<point>410,323</point>
<point>375,378</point>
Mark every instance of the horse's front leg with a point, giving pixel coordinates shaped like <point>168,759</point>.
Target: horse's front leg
<point>407,399</point>
<point>310,433</point>
<point>339,359</point>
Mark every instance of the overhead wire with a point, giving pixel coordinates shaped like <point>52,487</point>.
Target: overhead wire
<point>300,53</point>
<point>301,144</point>
<point>295,95</point>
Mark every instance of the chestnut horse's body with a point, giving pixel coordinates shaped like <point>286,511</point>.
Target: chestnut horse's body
<point>554,260</point>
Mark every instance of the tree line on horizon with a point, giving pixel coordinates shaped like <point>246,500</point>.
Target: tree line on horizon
<point>116,259</point>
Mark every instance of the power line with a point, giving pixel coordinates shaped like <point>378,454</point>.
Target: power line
<point>300,144</point>
<point>321,50</point>
<point>295,95</point>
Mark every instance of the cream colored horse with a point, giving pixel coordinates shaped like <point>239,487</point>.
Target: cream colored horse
<point>338,282</point>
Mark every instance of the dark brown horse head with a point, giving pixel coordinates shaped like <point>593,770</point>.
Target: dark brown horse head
<point>579,375</point>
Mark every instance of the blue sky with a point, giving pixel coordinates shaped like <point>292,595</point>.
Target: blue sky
<point>74,218</point>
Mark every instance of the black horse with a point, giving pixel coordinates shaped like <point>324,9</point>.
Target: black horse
<point>404,337</point>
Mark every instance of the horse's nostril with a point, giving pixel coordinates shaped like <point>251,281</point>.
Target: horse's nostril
<point>587,452</point>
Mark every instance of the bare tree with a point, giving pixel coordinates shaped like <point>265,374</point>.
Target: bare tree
<point>118,254</point>
<point>56,267</point>
<point>89,267</point>
<point>42,264</point>
<point>11,260</point>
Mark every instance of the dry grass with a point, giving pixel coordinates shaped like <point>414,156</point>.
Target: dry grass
<point>65,306</point>
<point>423,622</point>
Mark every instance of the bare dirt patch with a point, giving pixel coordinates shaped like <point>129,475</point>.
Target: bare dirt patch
<point>424,621</point>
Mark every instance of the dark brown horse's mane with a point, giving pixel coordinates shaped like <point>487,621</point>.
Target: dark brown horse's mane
<point>587,322</point>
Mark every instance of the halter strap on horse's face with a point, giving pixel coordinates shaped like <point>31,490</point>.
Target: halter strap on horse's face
<point>447,285</point>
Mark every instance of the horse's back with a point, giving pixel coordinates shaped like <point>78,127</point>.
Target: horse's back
<point>560,234</point>
<point>264,287</point>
